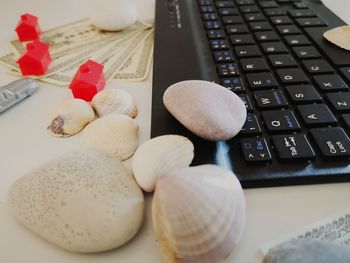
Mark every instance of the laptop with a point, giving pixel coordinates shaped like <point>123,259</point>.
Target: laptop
<point>294,83</point>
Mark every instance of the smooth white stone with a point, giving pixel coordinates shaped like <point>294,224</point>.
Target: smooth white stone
<point>114,15</point>
<point>207,109</point>
<point>84,201</point>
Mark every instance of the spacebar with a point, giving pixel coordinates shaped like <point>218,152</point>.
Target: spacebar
<point>339,56</point>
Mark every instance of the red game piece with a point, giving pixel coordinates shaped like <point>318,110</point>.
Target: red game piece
<point>88,80</point>
<point>28,28</point>
<point>35,60</point>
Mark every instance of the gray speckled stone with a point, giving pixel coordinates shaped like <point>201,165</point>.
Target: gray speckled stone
<point>308,251</point>
<point>83,201</point>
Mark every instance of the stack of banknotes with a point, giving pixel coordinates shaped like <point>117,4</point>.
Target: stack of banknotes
<point>126,55</point>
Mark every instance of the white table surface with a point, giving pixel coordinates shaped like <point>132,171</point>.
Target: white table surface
<point>25,144</point>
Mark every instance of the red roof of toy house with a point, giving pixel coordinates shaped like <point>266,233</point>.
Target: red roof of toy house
<point>28,28</point>
<point>36,59</point>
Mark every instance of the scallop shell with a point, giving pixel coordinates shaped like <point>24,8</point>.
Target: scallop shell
<point>70,118</point>
<point>83,201</point>
<point>158,156</point>
<point>114,101</point>
<point>198,214</point>
<point>115,134</point>
<point>205,108</point>
<point>339,36</point>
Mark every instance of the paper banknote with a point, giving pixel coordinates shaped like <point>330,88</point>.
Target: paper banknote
<point>335,228</point>
<point>137,67</point>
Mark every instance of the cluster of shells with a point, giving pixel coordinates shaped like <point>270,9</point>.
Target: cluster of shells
<point>198,212</point>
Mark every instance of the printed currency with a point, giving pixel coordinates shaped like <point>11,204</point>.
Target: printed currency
<point>335,228</point>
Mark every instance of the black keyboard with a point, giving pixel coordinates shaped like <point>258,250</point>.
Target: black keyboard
<point>295,85</point>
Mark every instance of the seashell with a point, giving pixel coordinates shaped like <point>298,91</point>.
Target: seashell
<point>158,156</point>
<point>114,134</point>
<point>114,101</point>
<point>71,118</point>
<point>339,36</point>
<point>83,201</point>
<point>308,251</point>
<point>207,109</point>
<point>114,15</point>
<point>198,214</point>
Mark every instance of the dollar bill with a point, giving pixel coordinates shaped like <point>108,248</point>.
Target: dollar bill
<point>117,50</point>
<point>335,228</point>
<point>73,37</point>
<point>137,67</point>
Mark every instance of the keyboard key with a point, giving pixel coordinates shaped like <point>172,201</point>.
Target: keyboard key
<point>231,20</point>
<point>333,142</point>
<point>207,9</point>
<point>336,55</point>
<point>270,99</point>
<point>340,101</point>
<point>346,73</point>
<point>281,20</point>
<point>330,83</point>
<point>293,147</point>
<point>280,121</point>
<point>306,52</point>
<point>247,102</point>
<point>215,33</point>
<point>275,12</point>
<point>303,94</point>
<point>316,114</point>
<point>254,17</point>
<point>224,4</point>
<point>217,44</point>
<point>212,25</point>
<point>227,11</point>
<point>282,61</point>
<point>247,51</point>
<point>251,126</point>
<point>346,119</point>
<point>297,40</point>
<point>288,30</point>
<point>301,13</point>
<point>234,84</point>
<point>244,2</point>
<point>255,150</point>
<point>317,66</point>
<point>236,29</point>
<point>209,16</point>
<point>266,36</point>
<point>274,48</point>
<point>300,5</point>
<point>260,26</point>
<point>205,2</point>
<point>249,9</point>
<point>261,80</point>
<point>241,40</point>
<point>310,22</point>
<point>254,64</point>
<point>223,56</point>
<point>227,69</point>
<point>268,4</point>
<point>292,76</point>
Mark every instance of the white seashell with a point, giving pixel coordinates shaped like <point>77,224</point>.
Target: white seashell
<point>114,134</point>
<point>117,101</point>
<point>339,36</point>
<point>71,118</point>
<point>207,109</point>
<point>84,201</point>
<point>158,156</point>
<point>198,214</point>
<point>114,15</point>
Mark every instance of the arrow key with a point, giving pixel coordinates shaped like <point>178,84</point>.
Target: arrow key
<point>255,150</point>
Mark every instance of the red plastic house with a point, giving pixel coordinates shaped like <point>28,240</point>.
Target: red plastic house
<point>28,28</point>
<point>35,60</point>
<point>88,81</point>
